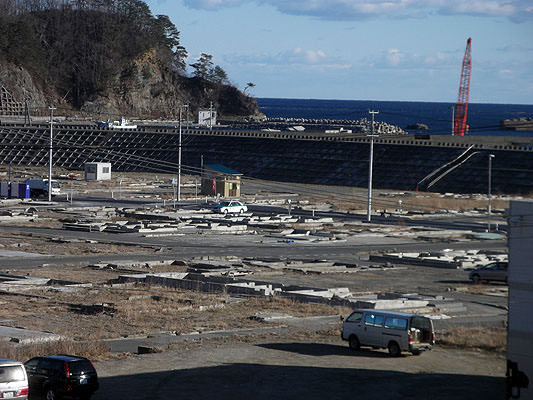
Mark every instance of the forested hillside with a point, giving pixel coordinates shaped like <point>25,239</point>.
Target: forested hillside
<point>109,56</point>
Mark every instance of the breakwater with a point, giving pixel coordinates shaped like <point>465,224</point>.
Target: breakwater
<point>400,162</point>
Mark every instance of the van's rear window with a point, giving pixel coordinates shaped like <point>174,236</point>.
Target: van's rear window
<point>12,373</point>
<point>420,323</point>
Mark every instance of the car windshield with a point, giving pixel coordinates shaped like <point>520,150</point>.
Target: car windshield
<point>11,373</point>
<point>224,204</point>
<point>55,184</point>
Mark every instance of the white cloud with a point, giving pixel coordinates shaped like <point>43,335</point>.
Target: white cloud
<point>481,8</point>
<point>516,10</point>
<point>293,57</point>
<point>398,59</point>
<point>212,4</point>
<point>394,57</point>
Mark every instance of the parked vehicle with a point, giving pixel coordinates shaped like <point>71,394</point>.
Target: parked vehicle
<point>39,187</point>
<point>13,380</point>
<point>495,271</point>
<point>395,331</point>
<point>230,207</point>
<point>61,375</point>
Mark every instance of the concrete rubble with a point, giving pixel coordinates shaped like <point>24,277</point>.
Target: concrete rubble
<point>443,259</point>
<point>340,296</point>
<point>25,336</point>
<point>18,284</point>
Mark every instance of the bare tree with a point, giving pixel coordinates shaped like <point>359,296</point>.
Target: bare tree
<point>249,85</point>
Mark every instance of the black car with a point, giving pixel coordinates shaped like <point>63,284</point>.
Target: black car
<point>58,376</point>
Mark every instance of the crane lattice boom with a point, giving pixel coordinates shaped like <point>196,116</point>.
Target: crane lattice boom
<point>461,107</point>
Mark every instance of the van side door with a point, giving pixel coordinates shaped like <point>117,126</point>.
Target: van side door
<point>395,328</point>
<point>371,334</point>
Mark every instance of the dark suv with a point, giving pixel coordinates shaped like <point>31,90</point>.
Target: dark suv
<point>59,376</point>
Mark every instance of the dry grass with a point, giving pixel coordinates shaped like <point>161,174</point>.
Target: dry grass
<point>426,202</point>
<point>495,288</point>
<point>94,350</point>
<point>479,338</point>
<point>439,203</point>
<point>142,310</point>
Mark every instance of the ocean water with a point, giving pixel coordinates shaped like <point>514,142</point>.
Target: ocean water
<point>482,119</point>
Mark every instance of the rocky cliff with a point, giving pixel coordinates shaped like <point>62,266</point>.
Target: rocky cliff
<point>105,60</point>
<point>143,89</point>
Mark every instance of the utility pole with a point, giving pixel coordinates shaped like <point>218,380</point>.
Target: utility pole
<point>179,154</point>
<point>491,156</point>
<point>27,119</point>
<point>50,158</point>
<point>10,162</point>
<point>187,117</point>
<point>371,163</point>
<point>211,116</point>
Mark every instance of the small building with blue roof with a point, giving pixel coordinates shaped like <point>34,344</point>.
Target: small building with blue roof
<point>218,179</point>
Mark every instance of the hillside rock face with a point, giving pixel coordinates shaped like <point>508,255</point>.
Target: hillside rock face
<point>143,89</point>
<point>22,87</point>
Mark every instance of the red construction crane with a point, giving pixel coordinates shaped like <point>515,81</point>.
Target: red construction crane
<point>459,123</point>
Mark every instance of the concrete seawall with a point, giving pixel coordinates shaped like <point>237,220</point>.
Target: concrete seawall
<point>400,162</point>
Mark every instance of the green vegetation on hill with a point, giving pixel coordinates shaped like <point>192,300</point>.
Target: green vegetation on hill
<point>82,48</point>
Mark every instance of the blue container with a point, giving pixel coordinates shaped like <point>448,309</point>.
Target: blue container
<point>14,191</point>
<point>24,191</point>
<point>4,189</point>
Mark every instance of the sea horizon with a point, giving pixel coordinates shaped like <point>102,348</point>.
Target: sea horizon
<point>482,118</point>
<point>390,101</point>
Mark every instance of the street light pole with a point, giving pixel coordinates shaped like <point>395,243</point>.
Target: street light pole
<point>50,154</point>
<point>371,163</point>
<point>491,156</point>
<point>179,154</point>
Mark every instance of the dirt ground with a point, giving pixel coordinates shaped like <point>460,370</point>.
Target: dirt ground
<point>301,367</point>
<point>45,245</point>
<point>111,311</point>
<point>312,365</point>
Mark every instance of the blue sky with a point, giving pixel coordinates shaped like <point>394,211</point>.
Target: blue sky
<point>403,50</point>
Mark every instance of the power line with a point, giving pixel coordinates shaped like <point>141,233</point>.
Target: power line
<point>157,165</point>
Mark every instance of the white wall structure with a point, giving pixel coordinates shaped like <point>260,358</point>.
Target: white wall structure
<point>207,117</point>
<point>97,171</point>
<point>520,278</point>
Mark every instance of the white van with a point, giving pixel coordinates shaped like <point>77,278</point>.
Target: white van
<point>13,380</point>
<point>395,331</point>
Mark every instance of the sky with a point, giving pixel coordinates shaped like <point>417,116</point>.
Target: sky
<point>399,50</point>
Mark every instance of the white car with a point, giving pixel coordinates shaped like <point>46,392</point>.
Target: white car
<point>230,207</point>
<point>13,380</point>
